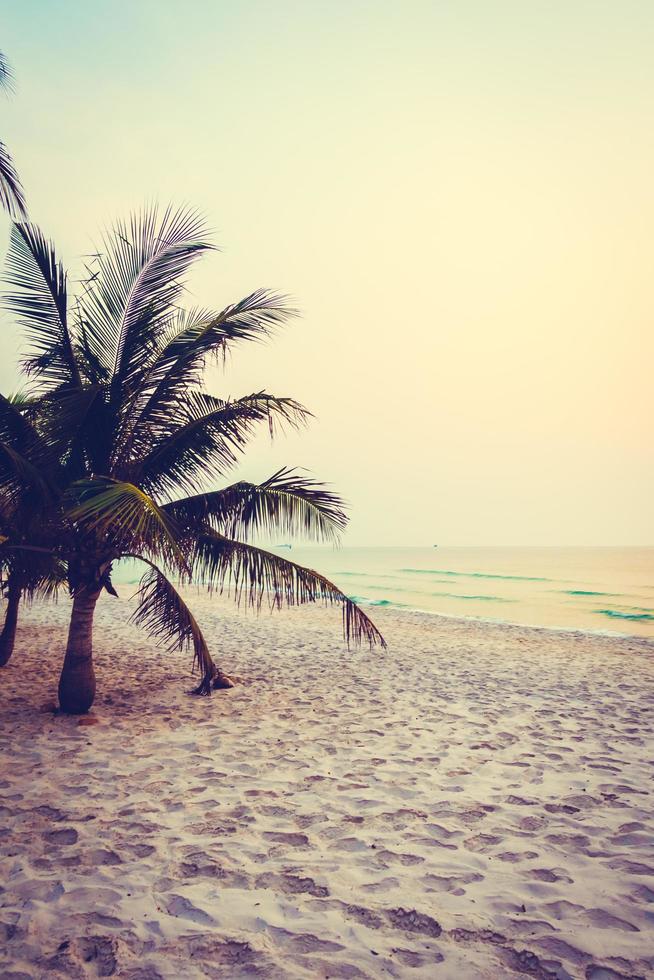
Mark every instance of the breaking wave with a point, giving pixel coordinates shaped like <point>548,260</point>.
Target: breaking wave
<point>617,614</point>
<point>442,571</point>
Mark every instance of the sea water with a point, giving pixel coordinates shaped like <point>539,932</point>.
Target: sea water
<point>604,589</point>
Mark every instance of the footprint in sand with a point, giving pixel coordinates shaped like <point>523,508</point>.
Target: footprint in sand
<point>604,920</point>
<point>550,874</point>
<point>102,856</point>
<point>291,839</point>
<point>482,842</point>
<point>451,884</point>
<point>291,885</point>
<point>182,908</point>
<point>643,894</point>
<point>514,857</point>
<point>389,857</point>
<point>383,885</point>
<point>631,867</point>
<point>304,942</point>
<point>37,890</point>
<point>63,837</point>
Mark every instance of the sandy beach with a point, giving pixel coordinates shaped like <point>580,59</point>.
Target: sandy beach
<point>475,802</point>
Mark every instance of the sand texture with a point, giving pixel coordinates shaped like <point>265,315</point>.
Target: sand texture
<point>477,802</point>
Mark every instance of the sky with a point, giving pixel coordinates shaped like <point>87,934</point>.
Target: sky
<point>457,194</point>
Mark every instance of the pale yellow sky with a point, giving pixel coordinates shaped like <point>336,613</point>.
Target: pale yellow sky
<point>458,194</point>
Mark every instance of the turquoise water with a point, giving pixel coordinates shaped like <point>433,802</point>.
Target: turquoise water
<point>604,589</point>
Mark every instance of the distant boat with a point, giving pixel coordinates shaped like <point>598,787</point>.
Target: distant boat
<point>435,546</point>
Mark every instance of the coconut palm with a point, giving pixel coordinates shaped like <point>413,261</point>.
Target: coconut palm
<point>25,580</point>
<point>12,196</point>
<point>118,376</point>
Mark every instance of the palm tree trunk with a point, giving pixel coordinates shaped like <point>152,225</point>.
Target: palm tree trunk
<point>77,681</point>
<point>8,635</point>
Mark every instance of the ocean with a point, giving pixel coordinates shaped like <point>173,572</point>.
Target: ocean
<point>608,590</point>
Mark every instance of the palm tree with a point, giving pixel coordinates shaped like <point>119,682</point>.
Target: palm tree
<point>119,380</point>
<point>26,580</point>
<point>12,196</point>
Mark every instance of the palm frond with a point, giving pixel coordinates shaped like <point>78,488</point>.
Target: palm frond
<point>42,576</point>
<point>139,273</point>
<point>16,429</point>
<point>24,457</point>
<point>40,301</point>
<point>126,517</point>
<point>6,73</point>
<point>92,368</point>
<point>253,574</point>
<point>206,437</point>
<point>164,614</point>
<point>193,337</point>
<point>286,504</point>
<point>79,425</point>
<point>18,477</point>
<point>12,195</point>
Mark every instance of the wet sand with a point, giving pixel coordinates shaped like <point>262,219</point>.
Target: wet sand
<point>476,802</point>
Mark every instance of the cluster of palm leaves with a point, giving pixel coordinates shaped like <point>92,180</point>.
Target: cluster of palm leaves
<point>109,454</point>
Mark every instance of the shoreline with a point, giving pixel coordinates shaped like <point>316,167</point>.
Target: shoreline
<point>598,589</point>
<point>612,634</point>
<point>472,803</point>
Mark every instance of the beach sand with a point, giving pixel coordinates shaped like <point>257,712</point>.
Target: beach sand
<point>475,802</point>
